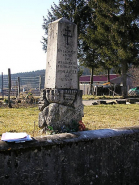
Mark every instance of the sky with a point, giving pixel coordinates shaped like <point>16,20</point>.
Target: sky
<point>21,35</point>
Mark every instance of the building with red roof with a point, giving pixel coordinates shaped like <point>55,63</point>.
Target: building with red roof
<point>97,79</point>
<point>101,81</point>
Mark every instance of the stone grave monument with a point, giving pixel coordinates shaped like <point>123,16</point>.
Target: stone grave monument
<point>61,100</point>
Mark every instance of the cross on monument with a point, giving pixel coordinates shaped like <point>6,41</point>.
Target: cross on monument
<point>67,35</point>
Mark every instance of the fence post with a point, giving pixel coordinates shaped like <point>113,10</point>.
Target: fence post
<point>18,87</point>
<point>2,85</point>
<point>40,80</point>
<point>9,87</point>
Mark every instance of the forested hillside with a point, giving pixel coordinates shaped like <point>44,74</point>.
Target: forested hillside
<point>85,71</point>
<point>30,74</point>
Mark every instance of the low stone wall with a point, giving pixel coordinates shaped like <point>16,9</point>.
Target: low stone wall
<point>99,157</point>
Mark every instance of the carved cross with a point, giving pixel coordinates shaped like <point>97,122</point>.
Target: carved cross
<point>67,34</point>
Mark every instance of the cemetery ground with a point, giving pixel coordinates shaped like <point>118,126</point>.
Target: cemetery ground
<point>25,118</point>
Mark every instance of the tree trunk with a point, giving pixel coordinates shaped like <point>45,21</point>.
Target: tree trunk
<point>124,79</point>
<point>91,82</point>
<point>108,75</point>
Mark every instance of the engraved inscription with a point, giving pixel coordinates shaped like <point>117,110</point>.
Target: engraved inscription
<point>66,66</point>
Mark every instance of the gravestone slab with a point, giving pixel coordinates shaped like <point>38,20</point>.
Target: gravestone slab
<point>61,100</point>
<point>61,67</point>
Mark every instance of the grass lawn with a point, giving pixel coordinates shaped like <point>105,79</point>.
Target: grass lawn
<point>111,116</point>
<point>91,97</point>
<point>19,120</point>
<point>95,117</point>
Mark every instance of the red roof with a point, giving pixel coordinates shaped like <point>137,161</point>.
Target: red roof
<point>97,78</point>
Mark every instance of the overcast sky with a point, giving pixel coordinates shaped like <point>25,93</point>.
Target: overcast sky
<point>21,34</point>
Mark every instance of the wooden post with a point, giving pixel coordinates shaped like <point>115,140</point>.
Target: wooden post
<point>9,87</point>
<point>2,85</point>
<point>40,81</point>
<point>96,90</point>
<point>18,87</point>
<point>16,90</point>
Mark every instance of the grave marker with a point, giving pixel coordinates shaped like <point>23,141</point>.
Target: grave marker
<point>61,101</point>
<point>61,67</point>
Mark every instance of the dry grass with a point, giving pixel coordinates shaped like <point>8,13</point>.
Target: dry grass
<point>91,97</point>
<point>111,116</point>
<point>95,117</point>
<point>19,120</point>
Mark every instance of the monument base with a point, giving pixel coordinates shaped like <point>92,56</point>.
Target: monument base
<point>60,108</point>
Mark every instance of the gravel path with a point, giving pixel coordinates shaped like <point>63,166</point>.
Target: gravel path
<point>88,102</point>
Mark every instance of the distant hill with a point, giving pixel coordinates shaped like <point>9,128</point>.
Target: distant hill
<point>30,74</point>
<point>86,71</point>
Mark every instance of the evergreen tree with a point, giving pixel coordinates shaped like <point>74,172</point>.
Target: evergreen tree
<point>117,33</point>
<point>88,51</point>
<point>80,13</point>
<point>104,13</point>
<point>74,10</point>
<point>128,37</point>
<point>108,32</point>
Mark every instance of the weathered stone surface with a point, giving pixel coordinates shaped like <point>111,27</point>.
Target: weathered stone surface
<point>107,102</point>
<point>121,101</point>
<point>42,104</point>
<point>133,100</point>
<point>62,96</point>
<point>57,115</point>
<point>61,67</point>
<point>97,157</point>
<point>61,101</point>
<point>61,108</point>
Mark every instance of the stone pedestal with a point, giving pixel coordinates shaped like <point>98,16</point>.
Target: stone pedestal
<point>61,101</point>
<point>60,107</point>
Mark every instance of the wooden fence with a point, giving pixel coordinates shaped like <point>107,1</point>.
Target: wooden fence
<point>14,86</point>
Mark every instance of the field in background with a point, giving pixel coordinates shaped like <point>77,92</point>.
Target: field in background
<point>91,97</point>
<point>25,119</point>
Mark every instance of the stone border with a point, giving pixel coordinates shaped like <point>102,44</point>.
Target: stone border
<point>68,138</point>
